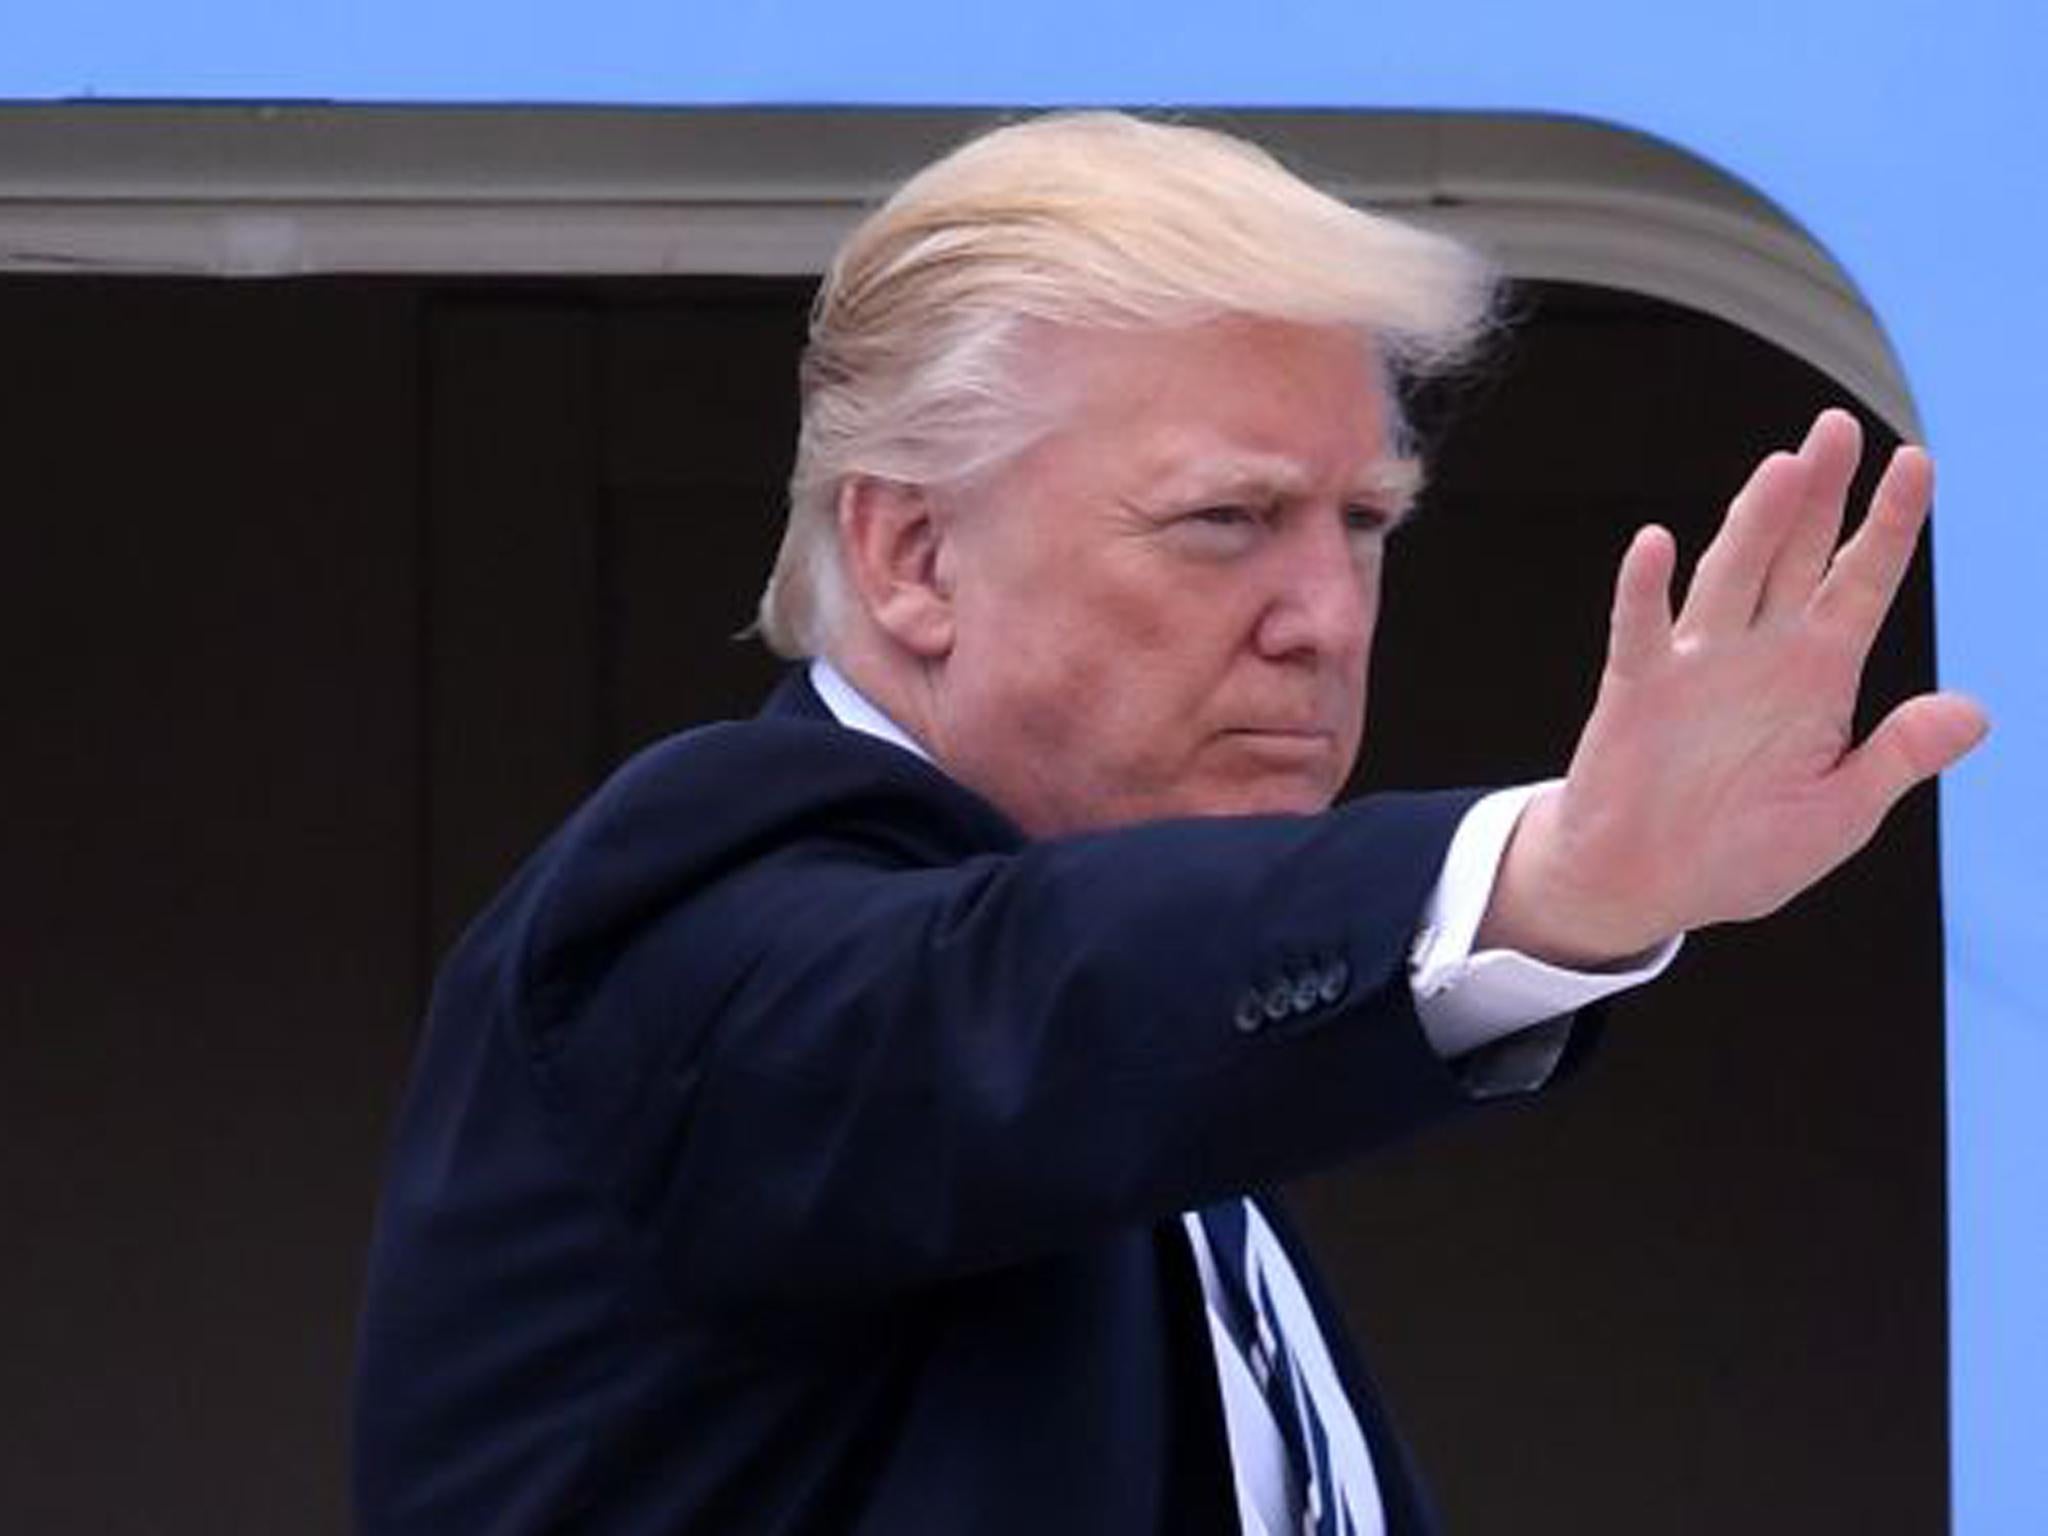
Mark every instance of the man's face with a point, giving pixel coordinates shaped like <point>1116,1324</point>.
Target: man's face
<point>1165,607</point>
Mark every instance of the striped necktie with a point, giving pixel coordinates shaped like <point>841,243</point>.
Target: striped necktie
<point>1254,1326</point>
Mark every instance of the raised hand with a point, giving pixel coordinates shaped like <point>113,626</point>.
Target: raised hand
<point>1716,777</point>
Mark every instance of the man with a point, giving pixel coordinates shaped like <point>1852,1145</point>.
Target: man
<point>846,1122</point>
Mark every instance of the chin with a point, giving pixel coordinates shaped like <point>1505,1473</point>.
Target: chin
<point>1270,796</point>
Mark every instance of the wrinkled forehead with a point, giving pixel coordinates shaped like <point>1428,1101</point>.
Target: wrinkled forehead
<point>1192,468</point>
<point>1236,406</point>
<point>1060,358</point>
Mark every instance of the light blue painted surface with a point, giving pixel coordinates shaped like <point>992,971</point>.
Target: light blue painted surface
<point>1907,136</point>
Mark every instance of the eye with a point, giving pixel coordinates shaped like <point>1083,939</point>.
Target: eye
<point>1363,518</point>
<point>1224,531</point>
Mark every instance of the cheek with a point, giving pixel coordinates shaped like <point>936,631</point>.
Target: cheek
<point>1126,635</point>
<point>1116,696</point>
<point>1176,653</point>
<point>1368,619</point>
<point>1372,565</point>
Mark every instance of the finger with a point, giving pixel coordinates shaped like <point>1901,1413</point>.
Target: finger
<point>1913,743</point>
<point>1832,450</point>
<point>1729,579</point>
<point>1858,590</point>
<point>1639,628</point>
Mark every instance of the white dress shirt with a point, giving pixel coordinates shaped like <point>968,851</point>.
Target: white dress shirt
<point>1465,1000</point>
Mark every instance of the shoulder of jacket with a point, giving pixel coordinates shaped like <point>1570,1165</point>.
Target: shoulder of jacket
<point>697,808</point>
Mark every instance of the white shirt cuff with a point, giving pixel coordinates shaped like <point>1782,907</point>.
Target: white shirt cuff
<point>1469,1000</point>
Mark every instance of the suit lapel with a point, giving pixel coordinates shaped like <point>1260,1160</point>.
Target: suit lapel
<point>793,698</point>
<point>1402,1499</point>
<point>1201,1492</point>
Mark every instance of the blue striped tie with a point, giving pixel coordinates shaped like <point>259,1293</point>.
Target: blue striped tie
<point>1254,1326</point>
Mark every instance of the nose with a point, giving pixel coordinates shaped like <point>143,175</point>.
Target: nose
<point>1324,595</point>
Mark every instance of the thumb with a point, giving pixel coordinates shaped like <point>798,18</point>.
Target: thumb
<point>1913,743</point>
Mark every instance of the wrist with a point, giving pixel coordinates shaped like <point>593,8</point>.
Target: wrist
<point>1541,907</point>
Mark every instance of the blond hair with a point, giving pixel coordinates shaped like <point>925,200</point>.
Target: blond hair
<point>1093,219</point>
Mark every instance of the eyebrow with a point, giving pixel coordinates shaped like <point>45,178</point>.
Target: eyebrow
<point>1396,484</point>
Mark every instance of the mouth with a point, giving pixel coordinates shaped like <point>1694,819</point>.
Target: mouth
<point>1293,742</point>
<point>1283,732</point>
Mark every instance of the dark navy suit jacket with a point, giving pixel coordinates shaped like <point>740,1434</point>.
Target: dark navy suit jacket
<point>795,1148</point>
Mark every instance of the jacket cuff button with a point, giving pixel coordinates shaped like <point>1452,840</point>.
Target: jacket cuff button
<point>1250,1017</point>
<point>1334,980</point>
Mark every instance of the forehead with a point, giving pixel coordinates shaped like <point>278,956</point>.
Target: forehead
<point>1263,403</point>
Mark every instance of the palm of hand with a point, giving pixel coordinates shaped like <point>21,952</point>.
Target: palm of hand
<point>1716,777</point>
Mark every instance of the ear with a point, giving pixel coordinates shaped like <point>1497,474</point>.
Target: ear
<point>892,538</point>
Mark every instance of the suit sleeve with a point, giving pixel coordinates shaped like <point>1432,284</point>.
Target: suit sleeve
<point>834,1072</point>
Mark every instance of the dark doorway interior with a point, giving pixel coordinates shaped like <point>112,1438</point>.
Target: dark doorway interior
<point>326,598</point>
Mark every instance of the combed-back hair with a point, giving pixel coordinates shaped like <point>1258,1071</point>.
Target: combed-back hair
<point>1090,219</point>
